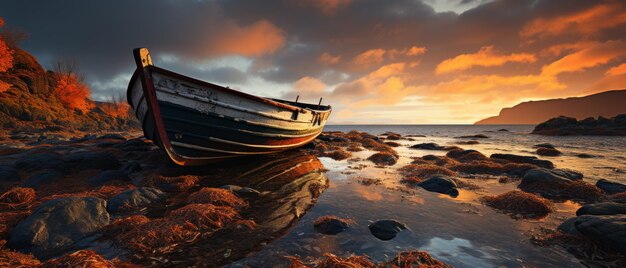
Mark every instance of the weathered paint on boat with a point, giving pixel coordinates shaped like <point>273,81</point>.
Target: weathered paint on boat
<point>197,122</point>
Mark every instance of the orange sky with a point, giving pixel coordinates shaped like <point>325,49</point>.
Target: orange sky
<point>397,61</point>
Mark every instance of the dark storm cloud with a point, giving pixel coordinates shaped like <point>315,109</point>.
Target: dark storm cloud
<point>286,40</point>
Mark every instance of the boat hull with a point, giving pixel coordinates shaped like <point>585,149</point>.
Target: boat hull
<point>197,122</point>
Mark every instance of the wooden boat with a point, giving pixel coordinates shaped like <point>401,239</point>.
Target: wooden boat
<point>197,122</point>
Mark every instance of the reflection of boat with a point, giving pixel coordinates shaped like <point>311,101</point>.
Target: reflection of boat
<point>289,183</point>
<point>197,122</point>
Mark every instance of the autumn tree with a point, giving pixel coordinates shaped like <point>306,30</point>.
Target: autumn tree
<point>116,107</point>
<point>71,89</point>
<point>6,59</point>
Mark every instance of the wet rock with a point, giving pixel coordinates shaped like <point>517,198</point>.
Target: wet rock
<point>112,136</point>
<point>134,199</point>
<point>108,176</point>
<point>548,152</point>
<point>440,184</point>
<point>607,231</point>
<point>558,184</point>
<point>503,130</point>
<point>470,142</point>
<point>383,159</point>
<point>332,138</point>
<point>84,138</point>
<point>604,208</point>
<point>42,177</point>
<point>245,192</point>
<point>544,145</point>
<point>331,225</point>
<point>131,167</point>
<point>40,161</point>
<point>610,187</point>
<point>92,160</point>
<point>134,145</point>
<point>394,137</point>
<point>8,173</point>
<point>56,225</point>
<point>524,159</point>
<point>466,155</point>
<point>477,136</point>
<point>584,155</point>
<point>393,144</point>
<point>386,229</point>
<point>429,146</point>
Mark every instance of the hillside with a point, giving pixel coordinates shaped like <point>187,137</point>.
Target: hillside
<point>606,104</point>
<point>30,104</point>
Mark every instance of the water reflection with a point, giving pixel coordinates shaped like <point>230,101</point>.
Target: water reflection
<point>289,184</point>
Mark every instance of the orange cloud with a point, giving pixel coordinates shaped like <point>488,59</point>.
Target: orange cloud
<point>329,59</point>
<point>414,51</point>
<point>495,85</point>
<point>370,57</point>
<point>257,39</point>
<point>586,22</point>
<point>559,49</point>
<point>589,57</point>
<point>383,86</point>
<point>486,56</point>
<point>308,88</point>
<point>617,70</point>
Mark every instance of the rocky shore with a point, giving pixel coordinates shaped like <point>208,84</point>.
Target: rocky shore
<point>568,126</point>
<point>113,199</point>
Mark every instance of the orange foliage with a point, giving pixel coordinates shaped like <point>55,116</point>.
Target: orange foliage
<point>72,92</point>
<point>6,60</point>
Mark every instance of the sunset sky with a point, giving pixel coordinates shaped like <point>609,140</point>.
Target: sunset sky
<point>394,61</point>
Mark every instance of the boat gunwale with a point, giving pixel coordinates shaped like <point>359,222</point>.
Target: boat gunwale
<point>272,102</point>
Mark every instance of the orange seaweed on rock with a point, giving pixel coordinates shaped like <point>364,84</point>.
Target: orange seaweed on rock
<point>216,196</point>
<point>333,261</point>
<point>208,217</point>
<point>9,258</point>
<point>17,197</point>
<point>415,258</point>
<point>84,259</point>
<point>518,202</point>
<point>171,184</point>
<point>424,171</point>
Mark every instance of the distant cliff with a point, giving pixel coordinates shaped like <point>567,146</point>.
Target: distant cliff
<point>606,104</point>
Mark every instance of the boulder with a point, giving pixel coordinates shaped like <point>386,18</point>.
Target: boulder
<point>524,159</point>
<point>604,208</point>
<point>548,151</point>
<point>107,176</point>
<point>8,174</point>
<point>428,146</point>
<point>477,136</point>
<point>40,161</point>
<point>331,225</point>
<point>386,229</point>
<point>383,159</point>
<point>112,136</point>
<point>42,177</point>
<point>440,184</point>
<point>610,187</point>
<point>56,225</point>
<point>556,183</point>
<point>92,160</point>
<point>544,145</point>
<point>608,231</point>
<point>134,199</point>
